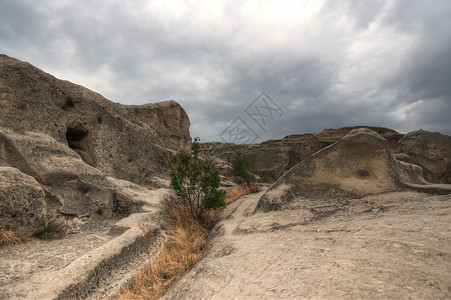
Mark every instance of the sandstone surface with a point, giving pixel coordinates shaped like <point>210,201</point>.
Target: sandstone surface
<point>75,143</point>
<point>387,246</point>
<point>432,150</point>
<point>348,222</point>
<point>357,165</point>
<point>22,197</point>
<point>68,153</point>
<point>271,159</point>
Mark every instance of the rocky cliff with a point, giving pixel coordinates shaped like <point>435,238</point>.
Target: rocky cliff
<point>73,146</point>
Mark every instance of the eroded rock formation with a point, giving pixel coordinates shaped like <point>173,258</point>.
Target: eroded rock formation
<point>73,141</point>
<point>270,158</point>
<point>430,151</point>
<point>357,165</point>
<point>333,227</point>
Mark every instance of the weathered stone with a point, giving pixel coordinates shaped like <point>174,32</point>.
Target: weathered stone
<point>430,149</point>
<point>22,200</point>
<point>357,165</point>
<point>132,143</point>
<point>384,246</point>
<point>166,117</point>
<point>392,137</point>
<point>72,140</point>
<point>270,158</point>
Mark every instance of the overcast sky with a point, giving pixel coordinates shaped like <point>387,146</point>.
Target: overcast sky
<point>320,64</point>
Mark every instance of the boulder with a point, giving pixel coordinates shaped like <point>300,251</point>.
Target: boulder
<point>22,200</point>
<point>357,165</point>
<point>431,150</point>
<point>331,135</point>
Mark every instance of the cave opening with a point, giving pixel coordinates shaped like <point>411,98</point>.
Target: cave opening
<point>79,140</point>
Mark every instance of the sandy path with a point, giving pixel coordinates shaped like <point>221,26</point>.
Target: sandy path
<point>394,245</point>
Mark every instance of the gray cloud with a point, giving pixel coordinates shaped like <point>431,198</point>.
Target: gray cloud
<point>382,63</point>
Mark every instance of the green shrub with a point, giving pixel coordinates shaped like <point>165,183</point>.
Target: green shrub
<point>55,228</point>
<point>240,168</point>
<point>195,183</point>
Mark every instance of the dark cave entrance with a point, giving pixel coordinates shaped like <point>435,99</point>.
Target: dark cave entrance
<point>79,140</point>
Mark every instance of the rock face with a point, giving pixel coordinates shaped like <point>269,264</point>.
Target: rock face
<point>72,140</point>
<point>22,197</point>
<point>392,137</point>
<point>430,151</point>
<point>271,158</point>
<point>357,165</point>
<point>169,120</point>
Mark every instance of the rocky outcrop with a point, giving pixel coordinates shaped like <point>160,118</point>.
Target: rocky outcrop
<point>131,143</point>
<point>392,137</point>
<point>357,165</point>
<point>271,159</point>
<point>168,119</point>
<point>21,197</point>
<point>336,224</point>
<point>72,140</point>
<point>385,246</point>
<point>430,149</point>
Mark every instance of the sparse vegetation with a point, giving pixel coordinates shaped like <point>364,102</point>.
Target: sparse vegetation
<point>12,237</point>
<point>188,237</point>
<point>55,228</point>
<point>195,183</point>
<point>185,248</point>
<point>240,168</point>
<point>99,210</point>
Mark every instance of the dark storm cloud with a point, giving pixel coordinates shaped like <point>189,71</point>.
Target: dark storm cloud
<point>425,73</point>
<point>331,64</point>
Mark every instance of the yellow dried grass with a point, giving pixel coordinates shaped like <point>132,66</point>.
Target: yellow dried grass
<point>10,237</point>
<point>239,191</point>
<point>185,248</point>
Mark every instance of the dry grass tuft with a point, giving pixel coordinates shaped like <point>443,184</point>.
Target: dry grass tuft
<point>10,237</point>
<point>239,191</point>
<point>185,248</point>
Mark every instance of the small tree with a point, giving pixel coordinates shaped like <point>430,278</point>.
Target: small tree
<point>240,168</point>
<point>196,182</point>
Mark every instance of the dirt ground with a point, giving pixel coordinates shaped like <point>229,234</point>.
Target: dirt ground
<point>387,246</point>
